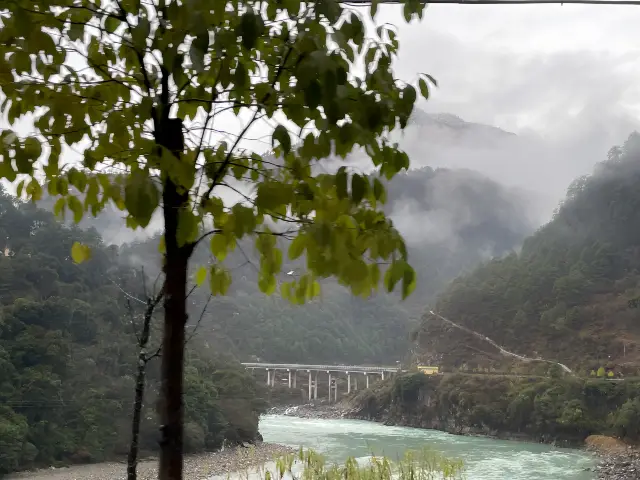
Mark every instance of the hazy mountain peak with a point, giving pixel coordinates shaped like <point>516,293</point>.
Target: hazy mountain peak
<point>444,120</point>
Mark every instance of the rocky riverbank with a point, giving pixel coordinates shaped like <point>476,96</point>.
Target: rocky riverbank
<point>196,467</point>
<point>323,411</point>
<point>618,461</point>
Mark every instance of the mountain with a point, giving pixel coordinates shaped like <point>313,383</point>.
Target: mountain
<point>570,295</point>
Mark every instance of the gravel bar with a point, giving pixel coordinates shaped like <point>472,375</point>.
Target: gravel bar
<point>196,467</point>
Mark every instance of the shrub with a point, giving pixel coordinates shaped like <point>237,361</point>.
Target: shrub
<point>425,464</point>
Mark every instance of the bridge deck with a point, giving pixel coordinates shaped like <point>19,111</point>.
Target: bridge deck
<point>325,368</point>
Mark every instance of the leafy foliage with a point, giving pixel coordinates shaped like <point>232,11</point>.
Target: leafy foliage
<point>546,409</point>
<point>107,76</point>
<point>68,354</point>
<point>573,283</point>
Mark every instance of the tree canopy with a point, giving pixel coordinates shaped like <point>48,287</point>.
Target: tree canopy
<point>141,88</point>
<point>104,76</point>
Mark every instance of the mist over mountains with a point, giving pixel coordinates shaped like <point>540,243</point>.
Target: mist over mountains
<point>574,284</point>
<point>452,219</point>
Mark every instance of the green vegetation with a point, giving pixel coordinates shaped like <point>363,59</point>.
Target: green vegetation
<point>141,88</point>
<point>546,409</point>
<point>570,295</point>
<point>426,464</point>
<point>68,355</point>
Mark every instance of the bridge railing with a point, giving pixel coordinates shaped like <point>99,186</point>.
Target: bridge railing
<point>328,368</point>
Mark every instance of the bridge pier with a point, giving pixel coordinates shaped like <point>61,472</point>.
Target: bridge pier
<point>333,371</point>
<point>315,387</point>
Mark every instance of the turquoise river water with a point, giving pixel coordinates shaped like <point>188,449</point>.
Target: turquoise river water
<point>484,458</point>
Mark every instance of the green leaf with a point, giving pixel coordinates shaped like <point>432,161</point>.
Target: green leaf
<point>59,207</point>
<point>32,148</point>
<point>76,32</point>
<point>201,276</point>
<point>281,134</point>
<point>431,79</point>
<point>80,253</point>
<point>187,227</point>
<point>374,7</point>
<point>379,191</point>
<point>407,12</point>
<point>219,246</point>
<point>111,24</point>
<point>409,95</point>
<point>314,289</point>
<point>141,197</point>
<point>408,281</point>
<point>359,186</point>
<point>424,88</point>
<point>341,183</point>
<point>140,33</point>
<point>76,207</point>
<point>297,246</point>
<point>267,284</point>
<point>219,281</point>
<point>394,274</point>
<point>250,28</point>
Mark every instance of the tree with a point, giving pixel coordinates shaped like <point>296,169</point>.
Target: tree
<point>144,358</point>
<point>138,85</point>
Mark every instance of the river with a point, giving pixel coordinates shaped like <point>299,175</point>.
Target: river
<point>484,458</point>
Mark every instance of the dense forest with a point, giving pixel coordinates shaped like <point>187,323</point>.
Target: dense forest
<point>68,354</point>
<point>570,295</point>
<point>462,217</point>
<point>543,409</point>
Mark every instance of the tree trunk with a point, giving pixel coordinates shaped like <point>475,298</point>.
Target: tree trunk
<point>132,459</point>
<point>175,314</point>
<point>143,359</point>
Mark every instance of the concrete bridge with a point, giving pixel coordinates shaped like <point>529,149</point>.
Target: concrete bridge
<point>352,373</point>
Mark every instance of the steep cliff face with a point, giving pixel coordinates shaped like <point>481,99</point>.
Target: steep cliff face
<point>560,410</point>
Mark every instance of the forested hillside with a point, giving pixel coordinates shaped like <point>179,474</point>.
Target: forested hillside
<point>68,354</point>
<point>571,294</point>
<point>451,220</point>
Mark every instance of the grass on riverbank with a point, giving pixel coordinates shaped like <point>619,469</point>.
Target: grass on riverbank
<point>425,464</point>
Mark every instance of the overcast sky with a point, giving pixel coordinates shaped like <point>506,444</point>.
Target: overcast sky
<point>564,78</point>
<point>569,73</point>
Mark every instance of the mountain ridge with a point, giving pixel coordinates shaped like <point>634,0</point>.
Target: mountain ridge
<point>574,283</point>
